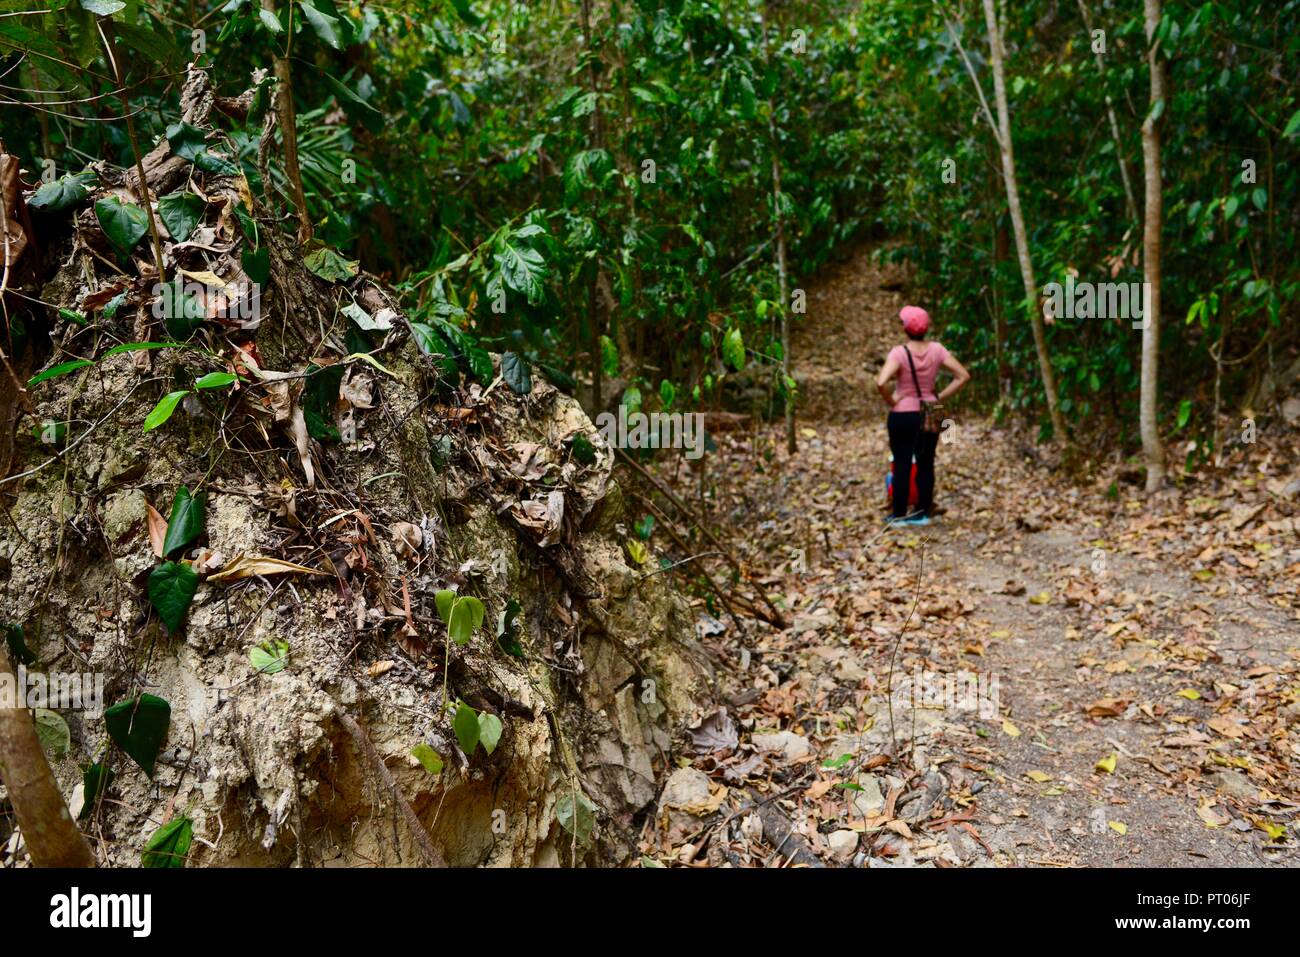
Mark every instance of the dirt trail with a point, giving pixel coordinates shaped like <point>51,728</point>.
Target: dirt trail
<point>1076,619</point>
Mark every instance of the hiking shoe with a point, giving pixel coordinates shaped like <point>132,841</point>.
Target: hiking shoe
<point>919,519</point>
<point>892,520</point>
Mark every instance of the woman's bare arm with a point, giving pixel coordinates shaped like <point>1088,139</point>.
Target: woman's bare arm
<point>959,377</point>
<point>885,381</point>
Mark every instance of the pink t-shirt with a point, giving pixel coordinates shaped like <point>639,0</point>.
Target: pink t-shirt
<point>928,364</point>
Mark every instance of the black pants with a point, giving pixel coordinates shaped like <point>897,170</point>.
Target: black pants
<point>906,439</point>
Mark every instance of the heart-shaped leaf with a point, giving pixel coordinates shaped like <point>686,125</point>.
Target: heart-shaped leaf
<point>180,213</point>
<point>514,369</point>
<point>123,223</point>
<point>577,815</point>
<point>181,313</point>
<point>52,731</point>
<point>443,600</point>
<point>466,616</point>
<point>170,844</point>
<point>185,523</point>
<point>186,141</point>
<point>466,726</point>
<point>63,193</point>
<point>171,590</point>
<point>489,731</point>
<point>139,727</point>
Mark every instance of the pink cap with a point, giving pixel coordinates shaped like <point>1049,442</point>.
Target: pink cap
<point>915,320</point>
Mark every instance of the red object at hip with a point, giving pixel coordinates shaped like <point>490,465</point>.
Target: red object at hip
<point>913,497</point>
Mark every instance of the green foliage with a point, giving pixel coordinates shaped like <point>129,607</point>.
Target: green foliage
<point>180,213</point>
<point>329,265</point>
<point>270,657</point>
<point>429,758</point>
<point>139,727</point>
<point>185,522</point>
<point>514,369</point>
<point>96,779</point>
<point>489,731</point>
<point>123,223</point>
<point>15,641</point>
<point>63,193</point>
<point>465,724</point>
<point>170,844</point>
<point>172,586</point>
<point>508,629</point>
<point>626,225</point>
<point>52,731</point>
<point>463,614</point>
<point>576,814</point>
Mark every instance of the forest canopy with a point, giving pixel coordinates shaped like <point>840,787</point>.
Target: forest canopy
<point>602,186</point>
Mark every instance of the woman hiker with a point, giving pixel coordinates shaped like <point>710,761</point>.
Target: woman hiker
<point>915,411</point>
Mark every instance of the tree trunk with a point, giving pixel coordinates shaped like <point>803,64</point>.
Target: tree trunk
<point>1152,448</point>
<point>593,307</point>
<point>48,829</point>
<point>1129,202</point>
<point>1018,222</point>
<point>1000,252</point>
<point>783,282</point>
<point>288,117</point>
<point>791,446</point>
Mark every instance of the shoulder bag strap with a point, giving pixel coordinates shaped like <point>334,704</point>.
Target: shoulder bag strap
<point>915,381</point>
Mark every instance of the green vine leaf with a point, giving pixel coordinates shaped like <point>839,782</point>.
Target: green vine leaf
<point>216,380</point>
<point>489,731</point>
<point>180,213</point>
<point>514,369</point>
<point>733,349</point>
<point>577,815</point>
<point>465,618</point>
<point>64,193</point>
<point>139,727</point>
<point>429,758</point>
<point>171,590</point>
<point>52,731</point>
<point>17,644</point>
<point>170,844</point>
<point>185,523</point>
<point>123,223</point>
<point>95,782</point>
<point>508,629</point>
<point>329,265</point>
<point>466,726</point>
